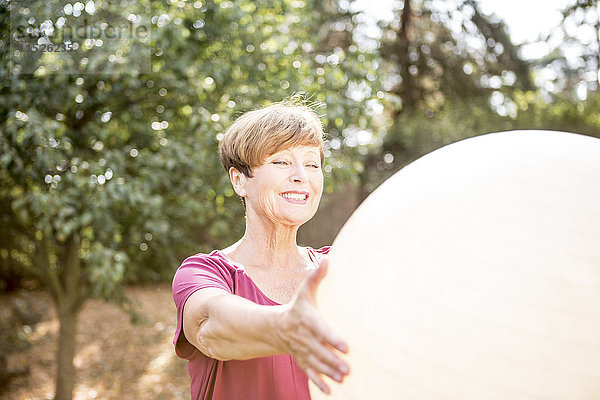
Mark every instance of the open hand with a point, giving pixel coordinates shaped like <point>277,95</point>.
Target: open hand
<point>305,335</point>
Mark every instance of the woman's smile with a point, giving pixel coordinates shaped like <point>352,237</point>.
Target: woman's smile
<point>287,187</point>
<point>295,197</point>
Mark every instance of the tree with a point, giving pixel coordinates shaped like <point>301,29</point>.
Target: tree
<point>574,59</point>
<point>109,170</point>
<point>431,59</point>
<point>441,59</point>
<point>83,178</point>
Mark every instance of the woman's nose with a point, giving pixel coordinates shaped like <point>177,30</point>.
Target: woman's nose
<point>299,174</point>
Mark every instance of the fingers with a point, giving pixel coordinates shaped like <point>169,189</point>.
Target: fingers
<point>316,277</point>
<point>318,381</point>
<point>311,325</point>
<point>321,331</point>
<point>309,340</point>
<point>309,343</point>
<point>327,363</point>
<point>333,340</point>
<point>319,351</point>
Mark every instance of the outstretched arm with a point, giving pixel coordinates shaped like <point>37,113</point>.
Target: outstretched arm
<point>225,326</point>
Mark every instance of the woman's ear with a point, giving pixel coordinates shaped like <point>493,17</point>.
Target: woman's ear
<point>238,180</point>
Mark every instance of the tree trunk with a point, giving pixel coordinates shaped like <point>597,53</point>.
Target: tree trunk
<point>408,87</point>
<point>68,303</point>
<point>597,26</point>
<point>65,379</point>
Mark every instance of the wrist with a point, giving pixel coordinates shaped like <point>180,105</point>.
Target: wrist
<point>277,325</point>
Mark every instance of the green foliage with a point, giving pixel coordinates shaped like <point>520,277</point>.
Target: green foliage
<point>450,72</point>
<point>417,133</point>
<point>128,163</point>
<point>445,84</point>
<point>430,61</point>
<point>109,171</point>
<point>574,59</point>
<point>561,113</point>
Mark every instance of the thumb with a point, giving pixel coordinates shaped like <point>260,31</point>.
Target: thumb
<point>313,281</point>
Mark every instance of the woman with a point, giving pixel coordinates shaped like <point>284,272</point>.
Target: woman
<point>246,315</point>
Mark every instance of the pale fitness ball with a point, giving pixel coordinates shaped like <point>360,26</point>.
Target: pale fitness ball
<point>474,274</point>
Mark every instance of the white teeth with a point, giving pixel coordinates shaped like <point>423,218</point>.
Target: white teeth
<point>294,196</point>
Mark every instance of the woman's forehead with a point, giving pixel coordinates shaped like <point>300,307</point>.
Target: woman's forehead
<point>302,150</point>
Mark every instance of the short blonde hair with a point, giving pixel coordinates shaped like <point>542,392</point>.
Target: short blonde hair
<point>257,134</point>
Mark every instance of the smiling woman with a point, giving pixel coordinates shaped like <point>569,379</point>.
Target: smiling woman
<point>291,176</point>
<point>247,320</point>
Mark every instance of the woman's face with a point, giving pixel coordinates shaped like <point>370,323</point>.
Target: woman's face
<point>287,188</point>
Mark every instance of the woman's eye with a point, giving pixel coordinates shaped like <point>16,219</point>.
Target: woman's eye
<point>313,166</point>
<point>278,162</point>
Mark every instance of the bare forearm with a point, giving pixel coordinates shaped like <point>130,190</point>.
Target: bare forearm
<point>225,326</point>
<point>236,328</point>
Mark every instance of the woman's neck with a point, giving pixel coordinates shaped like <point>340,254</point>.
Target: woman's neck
<point>267,245</point>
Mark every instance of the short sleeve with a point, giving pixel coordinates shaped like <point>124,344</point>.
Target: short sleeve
<point>318,254</point>
<point>197,272</point>
<point>323,250</point>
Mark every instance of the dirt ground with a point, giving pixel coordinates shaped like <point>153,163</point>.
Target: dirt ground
<point>115,358</point>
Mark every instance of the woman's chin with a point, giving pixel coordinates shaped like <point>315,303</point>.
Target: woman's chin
<point>295,220</point>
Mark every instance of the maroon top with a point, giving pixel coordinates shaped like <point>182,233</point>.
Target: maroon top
<point>267,378</point>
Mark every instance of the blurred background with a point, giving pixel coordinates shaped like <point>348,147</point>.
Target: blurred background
<point>110,118</point>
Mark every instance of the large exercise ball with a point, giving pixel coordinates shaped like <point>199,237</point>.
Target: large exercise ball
<point>474,274</point>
